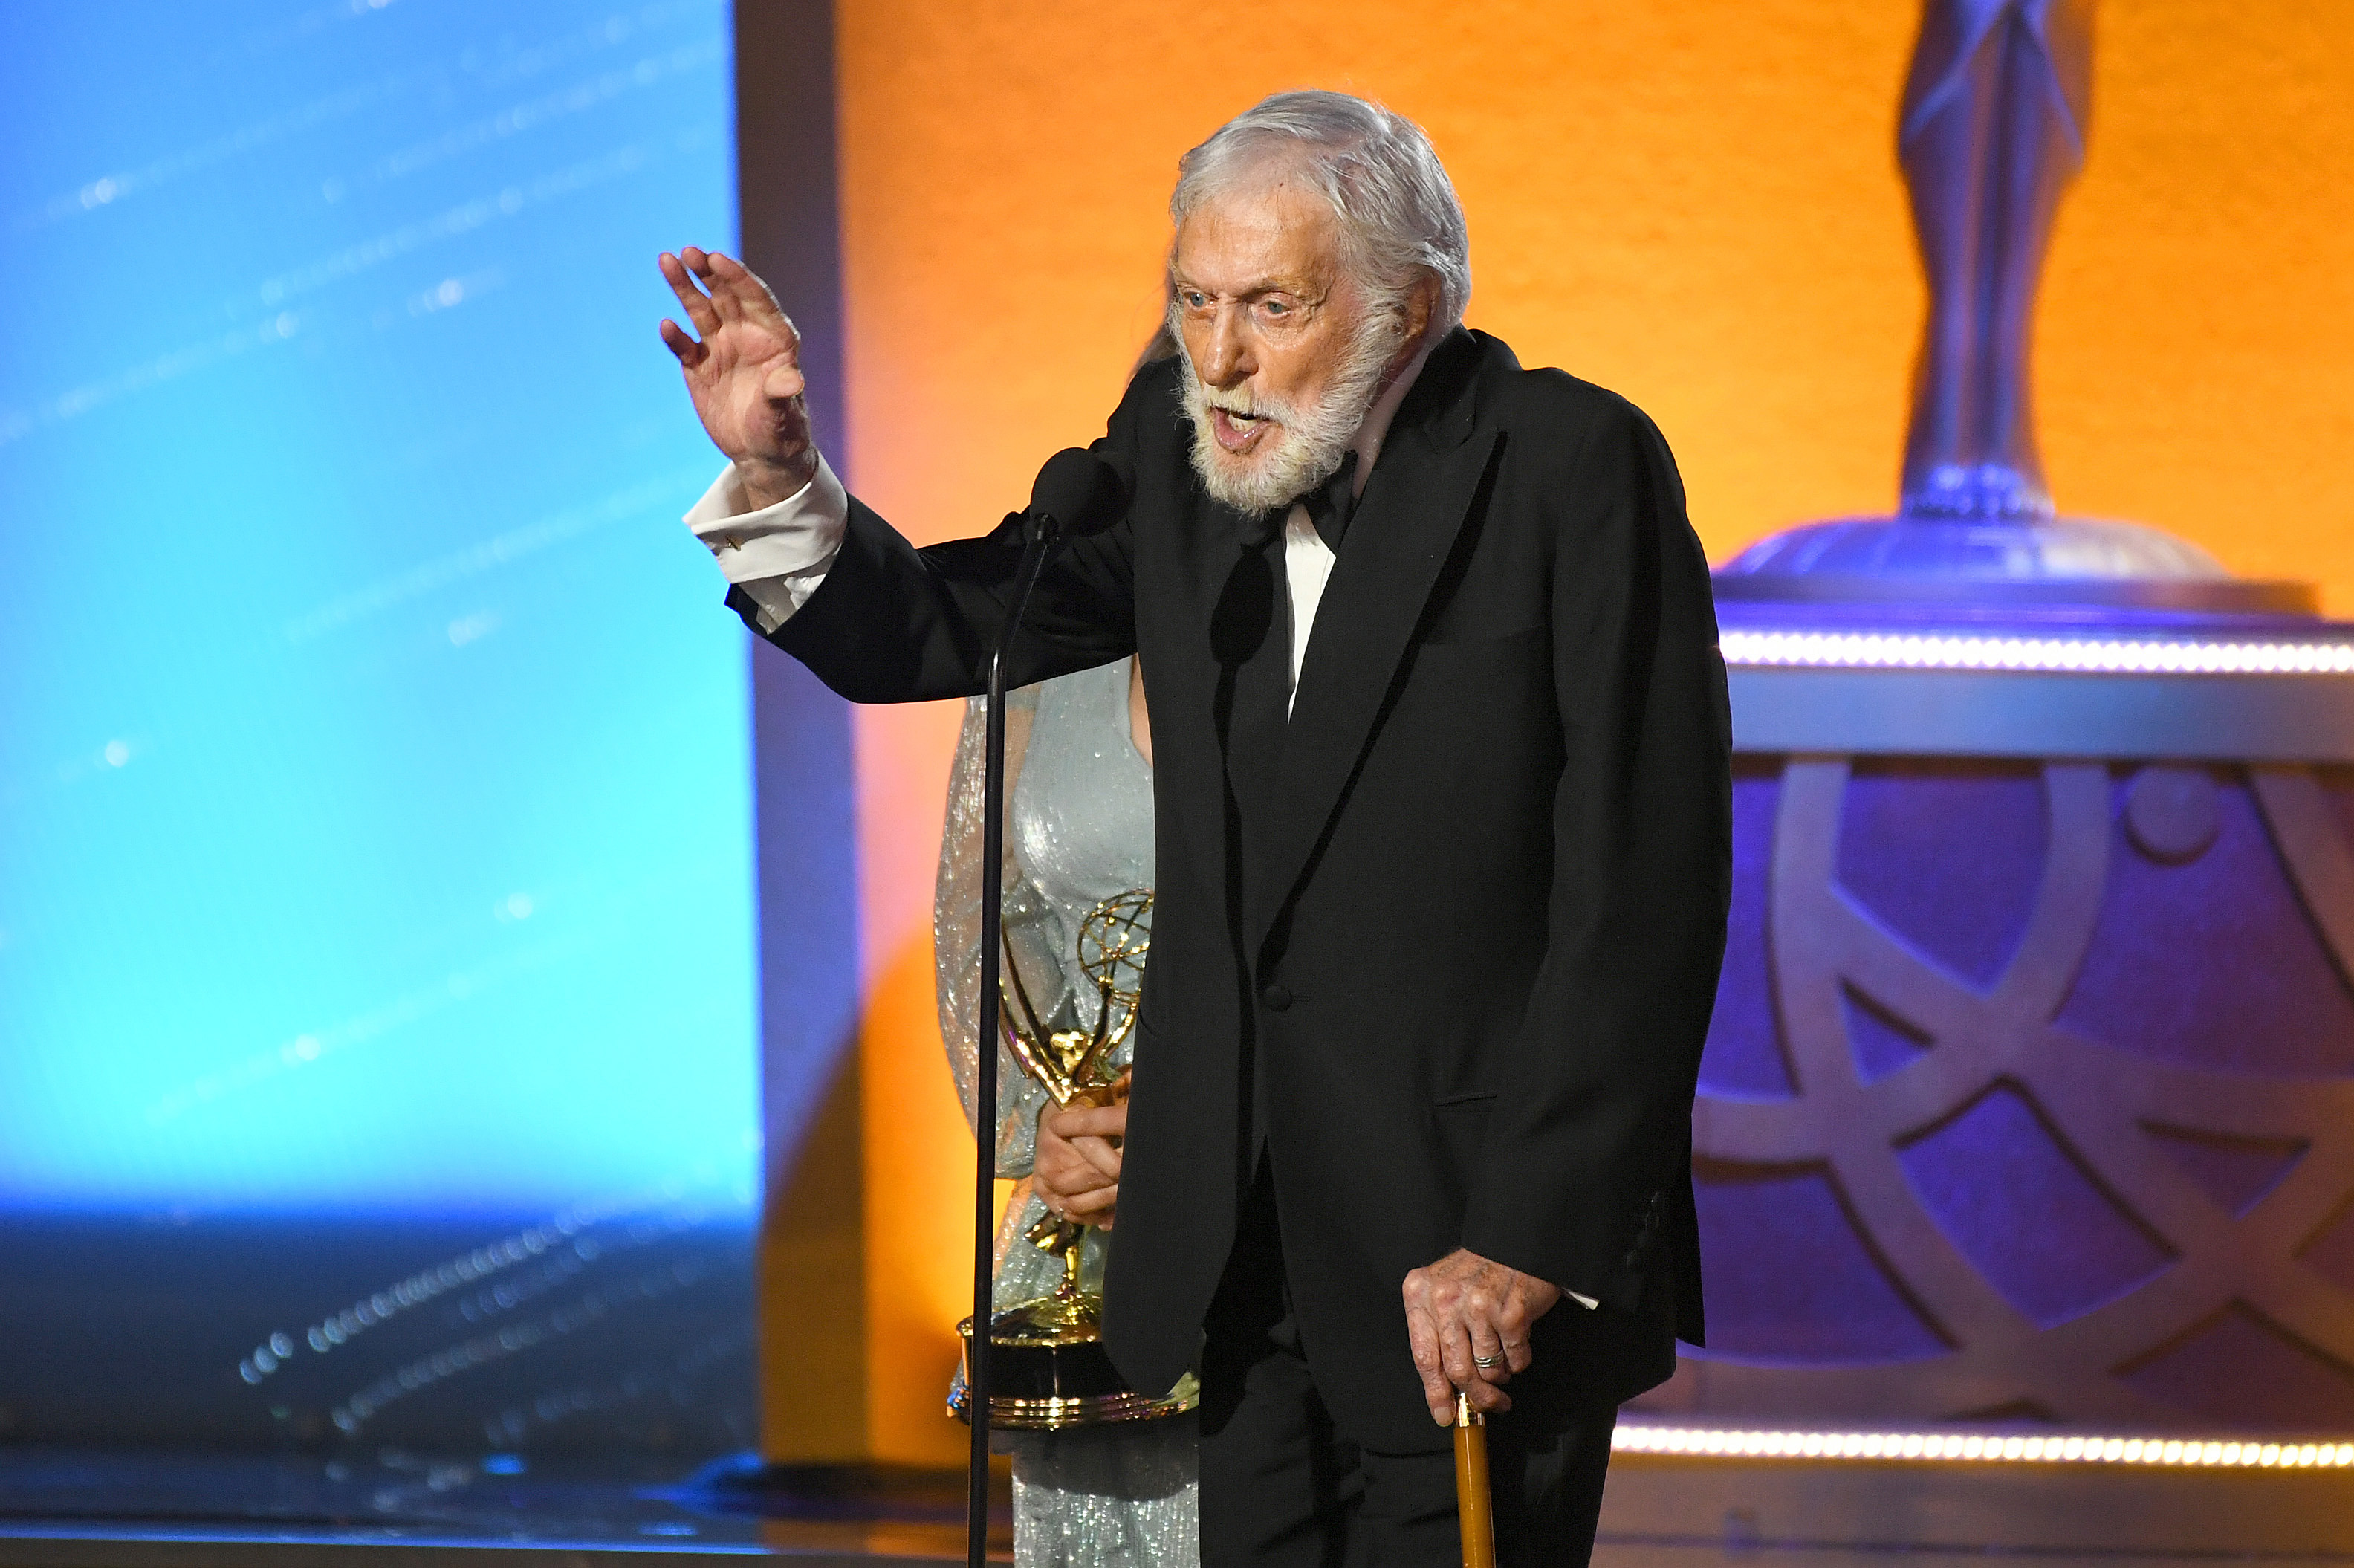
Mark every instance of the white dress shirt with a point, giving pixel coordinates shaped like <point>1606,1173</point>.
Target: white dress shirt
<point>776,555</point>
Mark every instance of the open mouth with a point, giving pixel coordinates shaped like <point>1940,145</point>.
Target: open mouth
<point>1237,432</point>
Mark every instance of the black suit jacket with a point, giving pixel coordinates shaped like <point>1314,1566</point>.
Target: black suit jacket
<point>1441,946</point>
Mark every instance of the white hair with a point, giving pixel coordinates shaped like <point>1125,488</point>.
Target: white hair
<point>1400,221</point>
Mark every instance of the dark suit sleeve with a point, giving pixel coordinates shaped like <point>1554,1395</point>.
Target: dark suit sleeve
<point>892,623</point>
<point>1590,1142</point>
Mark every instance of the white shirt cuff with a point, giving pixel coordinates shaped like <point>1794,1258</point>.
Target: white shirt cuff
<point>776,555</point>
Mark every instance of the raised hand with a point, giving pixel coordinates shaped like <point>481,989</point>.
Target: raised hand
<point>744,374</point>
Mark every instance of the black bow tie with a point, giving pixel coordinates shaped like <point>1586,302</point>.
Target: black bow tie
<point>1330,503</point>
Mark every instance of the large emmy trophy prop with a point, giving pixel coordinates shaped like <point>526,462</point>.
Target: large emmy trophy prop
<point>1048,1365</point>
<point>1991,134</point>
<point>1077,493</point>
<point>1989,693</point>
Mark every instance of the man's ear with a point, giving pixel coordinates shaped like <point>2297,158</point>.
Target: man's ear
<point>1420,306</point>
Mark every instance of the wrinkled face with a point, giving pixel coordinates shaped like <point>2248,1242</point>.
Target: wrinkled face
<point>1282,353</point>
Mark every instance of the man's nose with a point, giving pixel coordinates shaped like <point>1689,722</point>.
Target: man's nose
<point>1230,359</point>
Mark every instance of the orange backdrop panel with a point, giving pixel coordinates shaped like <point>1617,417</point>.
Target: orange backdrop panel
<point>1697,205</point>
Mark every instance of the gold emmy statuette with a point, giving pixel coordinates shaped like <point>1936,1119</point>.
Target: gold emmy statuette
<point>1047,1363</point>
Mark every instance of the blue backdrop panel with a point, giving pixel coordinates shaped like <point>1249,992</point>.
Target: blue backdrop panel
<point>378,1018</point>
<point>375,788</point>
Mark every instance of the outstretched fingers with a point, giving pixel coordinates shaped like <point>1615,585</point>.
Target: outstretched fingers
<point>696,304</point>
<point>747,296</point>
<point>723,295</point>
<point>730,276</point>
<point>676,339</point>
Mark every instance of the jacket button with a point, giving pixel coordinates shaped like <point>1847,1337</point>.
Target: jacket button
<point>1277,998</point>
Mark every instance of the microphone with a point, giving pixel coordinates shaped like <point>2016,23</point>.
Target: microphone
<point>1080,493</point>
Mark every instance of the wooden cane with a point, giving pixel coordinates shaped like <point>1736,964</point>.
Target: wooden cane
<point>1474,1503</point>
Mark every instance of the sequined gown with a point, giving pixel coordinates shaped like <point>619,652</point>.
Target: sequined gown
<point>1078,831</point>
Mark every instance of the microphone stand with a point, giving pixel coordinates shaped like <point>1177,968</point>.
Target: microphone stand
<point>1045,534</point>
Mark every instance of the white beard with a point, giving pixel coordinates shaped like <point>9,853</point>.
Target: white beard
<point>1307,443</point>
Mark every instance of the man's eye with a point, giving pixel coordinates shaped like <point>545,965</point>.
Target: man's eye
<point>1274,307</point>
<point>1194,298</point>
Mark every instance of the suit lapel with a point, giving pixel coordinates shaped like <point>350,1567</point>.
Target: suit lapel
<point>1405,523</point>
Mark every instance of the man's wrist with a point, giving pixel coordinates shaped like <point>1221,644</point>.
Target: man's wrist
<point>765,481</point>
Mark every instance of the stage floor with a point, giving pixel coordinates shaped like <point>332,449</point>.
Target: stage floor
<point>96,1509</point>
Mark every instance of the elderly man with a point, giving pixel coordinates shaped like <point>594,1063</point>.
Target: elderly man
<point>1443,832</point>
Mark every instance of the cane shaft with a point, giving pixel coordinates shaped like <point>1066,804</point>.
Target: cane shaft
<point>1474,1502</point>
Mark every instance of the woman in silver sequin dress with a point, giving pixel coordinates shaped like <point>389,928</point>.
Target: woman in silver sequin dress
<point>1079,831</point>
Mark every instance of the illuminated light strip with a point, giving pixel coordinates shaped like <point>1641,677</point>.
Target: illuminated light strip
<point>1918,650</point>
<point>1981,1448</point>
